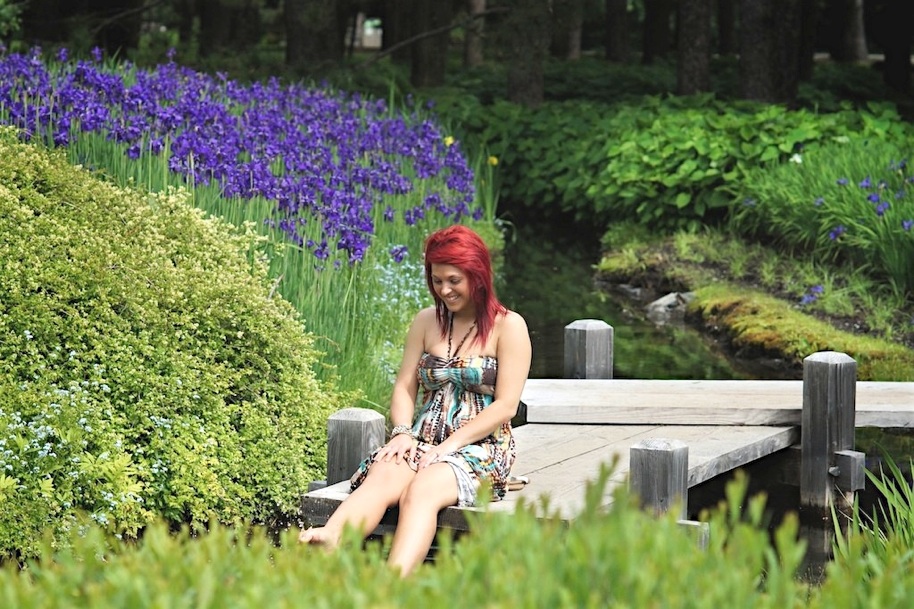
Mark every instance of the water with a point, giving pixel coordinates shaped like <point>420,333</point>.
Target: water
<point>547,277</point>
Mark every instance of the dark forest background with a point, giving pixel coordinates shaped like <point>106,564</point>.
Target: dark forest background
<point>776,42</point>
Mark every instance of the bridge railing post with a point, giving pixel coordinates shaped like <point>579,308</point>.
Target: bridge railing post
<point>659,474</point>
<point>827,428</point>
<point>588,349</point>
<point>830,470</point>
<point>352,433</point>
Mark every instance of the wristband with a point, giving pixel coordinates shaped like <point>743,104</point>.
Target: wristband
<point>399,429</point>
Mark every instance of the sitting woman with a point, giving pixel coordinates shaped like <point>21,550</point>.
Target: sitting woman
<point>459,437</point>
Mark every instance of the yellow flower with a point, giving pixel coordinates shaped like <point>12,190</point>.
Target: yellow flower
<point>493,161</point>
<point>449,141</point>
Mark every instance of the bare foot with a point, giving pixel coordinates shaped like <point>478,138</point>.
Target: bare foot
<point>320,536</point>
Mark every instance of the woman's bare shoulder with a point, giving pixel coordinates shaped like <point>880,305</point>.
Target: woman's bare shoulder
<point>513,321</point>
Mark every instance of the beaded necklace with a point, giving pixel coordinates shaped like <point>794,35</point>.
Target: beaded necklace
<point>450,334</point>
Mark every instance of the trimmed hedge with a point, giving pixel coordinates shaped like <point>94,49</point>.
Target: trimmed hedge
<point>146,369</point>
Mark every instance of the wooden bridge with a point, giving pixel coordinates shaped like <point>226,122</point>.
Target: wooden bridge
<point>664,436</point>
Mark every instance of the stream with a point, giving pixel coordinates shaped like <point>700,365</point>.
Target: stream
<point>547,277</point>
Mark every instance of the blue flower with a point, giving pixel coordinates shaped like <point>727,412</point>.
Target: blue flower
<point>837,232</point>
<point>398,253</point>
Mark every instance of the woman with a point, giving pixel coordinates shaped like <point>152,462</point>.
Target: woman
<point>460,436</point>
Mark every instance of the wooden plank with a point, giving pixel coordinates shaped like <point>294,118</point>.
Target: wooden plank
<point>561,460</point>
<point>690,402</point>
<point>577,457</point>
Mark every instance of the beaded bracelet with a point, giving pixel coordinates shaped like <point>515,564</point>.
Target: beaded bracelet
<point>398,429</point>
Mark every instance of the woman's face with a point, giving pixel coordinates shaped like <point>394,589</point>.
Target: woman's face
<point>453,287</point>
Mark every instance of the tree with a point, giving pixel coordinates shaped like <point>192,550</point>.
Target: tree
<point>890,25</point>
<point>694,47</point>
<point>525,32</point>
<point>726,27</point>
<point>844,37</point>
<point>315,32</point>
<point>430,50</point>
<point>658,32</point>
<point>567,22</point>
<point>769,50</point>
<point>397,22</point>
<point>473,39</point>
<point>617,33</point>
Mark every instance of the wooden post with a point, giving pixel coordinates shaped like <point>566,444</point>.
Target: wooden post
<point>352,433</point>
<point>588,349</point>
<point>826,440</point>
<point>829,384</point>
<point>659,474</point>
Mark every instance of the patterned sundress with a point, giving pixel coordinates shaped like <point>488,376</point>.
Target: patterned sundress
<point>453,392</point>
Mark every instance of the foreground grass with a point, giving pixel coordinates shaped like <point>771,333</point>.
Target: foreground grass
<point>768,303</point>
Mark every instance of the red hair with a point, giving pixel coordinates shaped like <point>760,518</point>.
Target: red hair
<point>462,247</point>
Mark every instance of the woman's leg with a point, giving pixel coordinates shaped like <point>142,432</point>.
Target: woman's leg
<point>433,489</point>
<point>365,506</point>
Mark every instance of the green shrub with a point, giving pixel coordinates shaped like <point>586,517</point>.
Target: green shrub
<point>610,557</point>
<point>616,556</point>
<point>664,162</point>
<point>145,368</point>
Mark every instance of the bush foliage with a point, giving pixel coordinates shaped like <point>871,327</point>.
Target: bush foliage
<point>616,556</point>
<point>146,369</point>
<point>665,162</point>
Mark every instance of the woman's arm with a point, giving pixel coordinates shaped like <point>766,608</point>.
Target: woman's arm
<point>406,387</point>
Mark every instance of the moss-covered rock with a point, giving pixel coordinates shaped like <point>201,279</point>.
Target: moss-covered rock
<point>146,368</point>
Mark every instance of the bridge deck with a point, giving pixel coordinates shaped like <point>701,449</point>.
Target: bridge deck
<point>575,426</point>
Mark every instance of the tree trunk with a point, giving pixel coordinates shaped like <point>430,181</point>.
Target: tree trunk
<point>397,22</point>
<point>525,31</point>
<point>473,54</point>
<point>658,31</point>
<point>296,49</point>
<point>116,25</point>
<point>892,22</point>
<point>246,27</point>
<point>314,34</point>
<point>694,47</point>
<point>769,50</point>
<point>186,12</point>
<point>215,26</point>
<point>845,38</point>
<point>429,55</point>
<point>809,25</point>
<point>726,27</point>
<point>567,22</point>
<point>617,45</point>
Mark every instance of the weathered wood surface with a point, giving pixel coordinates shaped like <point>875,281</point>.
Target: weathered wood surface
<point>574,426</point>
<point>687,402</point>
<point>560,460</point>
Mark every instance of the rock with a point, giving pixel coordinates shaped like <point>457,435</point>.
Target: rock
<point>670,308</point>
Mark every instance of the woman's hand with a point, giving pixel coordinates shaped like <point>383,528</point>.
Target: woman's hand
<point>399,447</point>
<point>432,454</point>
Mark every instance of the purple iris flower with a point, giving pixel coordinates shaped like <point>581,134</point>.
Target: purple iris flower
<point>326,158</point>
<point>837,232</point>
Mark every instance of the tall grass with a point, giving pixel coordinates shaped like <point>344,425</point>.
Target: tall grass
<point>850,201</point>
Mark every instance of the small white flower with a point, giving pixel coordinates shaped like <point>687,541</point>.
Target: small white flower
<point>796,158</point>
